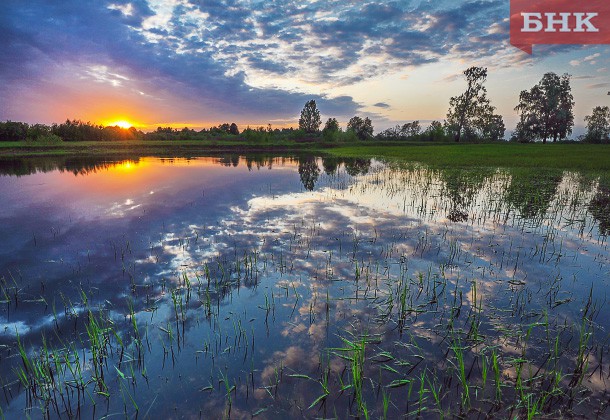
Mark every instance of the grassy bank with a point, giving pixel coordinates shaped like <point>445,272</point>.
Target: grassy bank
<point>147,148</point>
<point>558,156</point>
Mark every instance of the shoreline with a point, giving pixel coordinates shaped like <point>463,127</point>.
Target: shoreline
<point>567,156</point>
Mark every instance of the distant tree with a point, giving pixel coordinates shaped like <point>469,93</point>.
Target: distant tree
<point>362,128</point>
<point>331,130</point>
<point>411,130</point>
<point>258,135</point>
<point>435,132</point>
<point>13,131</point>
<point>332,125</point>
<point>492,127</point>
<point>470,114</point>
<point>392,133</point>
<point>37,131</point>
<point>310,121</point>
<point>408,131</point>
<point>76,130</point>
<point>186,134</point>
<point>546,110</point>
<point>233,129</point>
<point>598,125</point>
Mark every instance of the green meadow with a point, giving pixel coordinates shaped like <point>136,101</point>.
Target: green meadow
<point>573,156</point>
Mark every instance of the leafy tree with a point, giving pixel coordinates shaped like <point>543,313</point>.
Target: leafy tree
<point>470,115</point>
<point>310,121</point>
<point>258,135</point>
<point>392,133</point>
<point>37,131</point>
<point>233,129</point>
<point>331,130</point>
<point>187,133</point>
<point>435,132</point>
<point>408,131</point>
<point>332,125</point>
<point>13,131</point>
<point>546,110</point>
<point>492,127</point>
<point>411,130</point>
<point>598,125</point>
<point>362,128</point>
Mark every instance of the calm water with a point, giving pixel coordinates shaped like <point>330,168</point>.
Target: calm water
<point>301,287</point>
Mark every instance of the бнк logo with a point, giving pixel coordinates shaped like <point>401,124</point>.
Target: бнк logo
<point>559,22</point>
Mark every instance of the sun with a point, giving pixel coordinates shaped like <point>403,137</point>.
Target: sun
<point>122,123</point>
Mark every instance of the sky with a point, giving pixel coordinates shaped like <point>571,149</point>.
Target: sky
<point>198,63</point>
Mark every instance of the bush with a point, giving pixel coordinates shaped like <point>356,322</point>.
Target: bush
<point>44,140</point>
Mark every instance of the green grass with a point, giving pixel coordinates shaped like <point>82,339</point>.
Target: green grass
<point>555,156</point>
<point>570,156</point>
<point>149,148</point>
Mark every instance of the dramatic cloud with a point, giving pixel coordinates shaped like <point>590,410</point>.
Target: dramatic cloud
<point>250,59</point>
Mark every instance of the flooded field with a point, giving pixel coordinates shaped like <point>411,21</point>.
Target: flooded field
<point>276,287</point>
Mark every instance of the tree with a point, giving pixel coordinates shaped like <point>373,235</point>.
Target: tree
<point>408,131</point>
<point>411,130</point>
<point>471,113</point>
<point>492,127</point>
<point>546,110</point>
<point>362,128</point>
<point>37,131</point>
<point>331,130</point>
<point>13,131</point>
<point>233,129</point>
<point>435,132</point>
<point>331,125</point>
<point>598,125</point>
<point>310,121</point>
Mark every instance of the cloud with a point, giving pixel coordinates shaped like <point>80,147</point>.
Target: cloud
<point>382,105</point>
<point>598,86</point>
<point>235,57</point>
<point>591,59</point>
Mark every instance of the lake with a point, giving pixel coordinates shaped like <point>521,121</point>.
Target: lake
<point>298,286</point>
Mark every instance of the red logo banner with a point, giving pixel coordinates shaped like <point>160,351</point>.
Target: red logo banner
<point>559,22</point>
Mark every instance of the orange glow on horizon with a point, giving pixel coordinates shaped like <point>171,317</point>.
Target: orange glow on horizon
<point>120,123</point>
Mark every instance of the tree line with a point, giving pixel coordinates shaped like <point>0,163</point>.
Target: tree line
<point>545,113</point>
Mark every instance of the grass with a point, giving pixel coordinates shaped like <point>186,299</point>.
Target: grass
<point>572,156</point>
<point>553,156</point>
<point>149,148</point>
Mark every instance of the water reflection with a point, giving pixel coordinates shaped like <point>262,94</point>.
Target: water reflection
<point>531,193</point>
<point>600,209</point>
<point>309,172</point>
<point>240,286</point>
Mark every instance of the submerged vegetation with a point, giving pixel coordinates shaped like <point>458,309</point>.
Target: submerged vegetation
<point>322,288</point>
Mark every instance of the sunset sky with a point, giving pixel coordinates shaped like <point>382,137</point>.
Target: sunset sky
<point>200,63</point>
